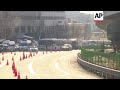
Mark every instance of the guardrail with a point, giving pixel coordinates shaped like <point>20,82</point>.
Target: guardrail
<point>109,60</point>
<point>93,58</point>
<point>99,70</point>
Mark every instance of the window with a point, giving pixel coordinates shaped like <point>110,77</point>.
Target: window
<point>59,21</point>
<point>17,30</point>
<point>29,29</point>
<point>22,29</point>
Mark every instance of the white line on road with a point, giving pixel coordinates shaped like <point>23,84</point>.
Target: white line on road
<point>30,68</point>
<point>30,65</point>
<point>2,64</point>
<point>57,66</point>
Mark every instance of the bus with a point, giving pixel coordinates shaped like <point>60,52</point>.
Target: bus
<point>52,43</point>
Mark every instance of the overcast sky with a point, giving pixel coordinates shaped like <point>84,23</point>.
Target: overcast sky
<point>87,12</point>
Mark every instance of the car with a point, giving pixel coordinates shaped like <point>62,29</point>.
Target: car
<point>33,49</point>
<point>3,48</point>
<point>23,46</point>
<point>12,48</point>
<point>66,47</point>
<point>41,47</point>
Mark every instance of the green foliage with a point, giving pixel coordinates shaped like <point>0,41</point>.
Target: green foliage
<point>103,59</point>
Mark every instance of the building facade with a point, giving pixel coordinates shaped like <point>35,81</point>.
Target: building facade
<point>39,24</point>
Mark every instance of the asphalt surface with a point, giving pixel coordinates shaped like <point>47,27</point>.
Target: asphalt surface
<point>50,65</point>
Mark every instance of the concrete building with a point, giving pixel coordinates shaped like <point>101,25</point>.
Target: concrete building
<point>76,30</point>
<point>39,24</point>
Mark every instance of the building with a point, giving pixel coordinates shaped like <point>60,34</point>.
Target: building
<point>6,24</point>
<point>76,30</point>
<point>39,24</point>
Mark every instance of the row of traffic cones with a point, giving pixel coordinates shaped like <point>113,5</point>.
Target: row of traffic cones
<point>51,51</point>
<point>16,74</point>
<point>15,71</point>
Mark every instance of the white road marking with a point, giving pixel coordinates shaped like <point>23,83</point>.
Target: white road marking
<point>2,64</point>
<point>57,66</point>
<point>30,65</point>
<point>30,68</point>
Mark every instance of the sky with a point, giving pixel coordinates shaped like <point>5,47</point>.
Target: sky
<point>87,12</point>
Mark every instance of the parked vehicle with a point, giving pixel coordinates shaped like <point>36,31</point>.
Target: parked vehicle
<point>13,48</point>
<point>66,47</point>
<point>24,45</point>
<point>33,49</point>
<point>3,47</point>
<point>41,47</point>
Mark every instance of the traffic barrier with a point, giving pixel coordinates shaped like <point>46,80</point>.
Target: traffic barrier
<point>7,63</point>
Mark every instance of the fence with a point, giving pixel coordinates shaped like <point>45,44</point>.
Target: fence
<point>94,55</point>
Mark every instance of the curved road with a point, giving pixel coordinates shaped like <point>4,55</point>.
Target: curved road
<point>55,65</point>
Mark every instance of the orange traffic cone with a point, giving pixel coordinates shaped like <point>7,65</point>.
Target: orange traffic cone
<point>23,55</point>
<point>26,56</point>
<point>7,63</point>
<point>20,58</point>
<point>14,53</point>
<point>37,52</point>
<point>26,77</point>
<point>12,58</point>
<point>15,72</point>
<point>18,75</point>
<point>13,66</point>
<point>33,54</point>
<point>2,58</point>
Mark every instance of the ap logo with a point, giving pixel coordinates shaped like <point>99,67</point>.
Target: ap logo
<point>98,16</point>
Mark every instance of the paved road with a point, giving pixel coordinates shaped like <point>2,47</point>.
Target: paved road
<point>55,65</point>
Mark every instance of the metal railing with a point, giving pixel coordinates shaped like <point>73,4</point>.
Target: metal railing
<point>110,60</point>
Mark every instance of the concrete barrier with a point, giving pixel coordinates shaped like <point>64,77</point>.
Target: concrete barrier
<point>104,72</point>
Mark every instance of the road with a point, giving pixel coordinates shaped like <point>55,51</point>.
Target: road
<point>50,65</point>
